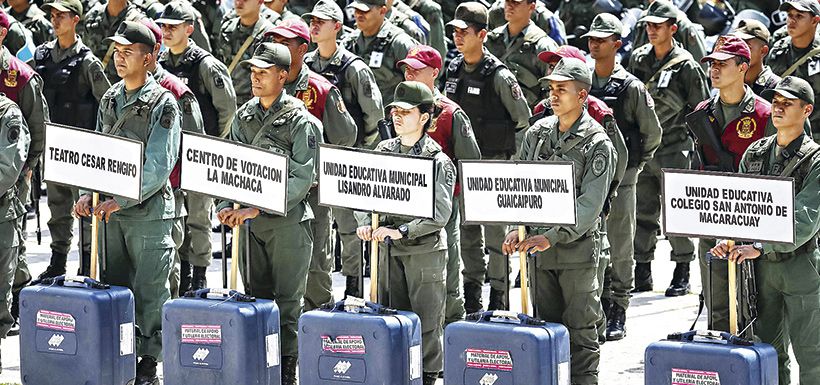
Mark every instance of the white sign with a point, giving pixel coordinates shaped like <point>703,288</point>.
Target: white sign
<point>519,193</point>
<point>93,161</point>
<point>235,172</point>
<point>728,206</point>
<point>376,181</point>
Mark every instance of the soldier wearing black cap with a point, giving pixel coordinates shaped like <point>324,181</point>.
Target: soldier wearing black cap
<point>491,96</point>
<point>799,53</point>
<point>759,76</point>
<point>139,242</point>
<point>74,84</point>
<point>788,275</point>
<point>281,246</point>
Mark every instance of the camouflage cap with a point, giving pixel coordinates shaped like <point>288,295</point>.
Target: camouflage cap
<point>605,25</point>
<point>268,55</point>
<point>810,6</point>
<point>748,29</point>
<point>660,11</point>
<point>791,87</point>
<point>74,6</point>
<point>176,12</point>
<point>325,10</point>
<point>411,94</point>
<point>365,5</point>
<point>470,12</point>
<point>133,32</point>
<point>570,68</point>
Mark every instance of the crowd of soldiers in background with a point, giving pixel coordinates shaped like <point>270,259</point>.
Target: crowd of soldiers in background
<point>485,65</point>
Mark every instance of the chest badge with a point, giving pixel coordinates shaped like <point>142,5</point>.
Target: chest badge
<point>309,97</point>
<point>11,78</point>
<point>746,128</point>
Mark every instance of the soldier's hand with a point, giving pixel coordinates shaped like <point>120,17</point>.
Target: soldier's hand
<point>533,244</point>
<point>222,215</point>
<point>510,243</point>
<point>105,209</point>
<point>83,206</point>
<point>721,250</point>
<point>28,175</point>
<point>383,232</point>
<point>364,233</point>
<point>237,217</point>
<point>742,253</point>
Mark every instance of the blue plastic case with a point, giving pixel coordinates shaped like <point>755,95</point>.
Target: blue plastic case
<point>213,336</point>
<point>709,357</point>
<point>361,343</point>
<point>74,330</point>
<point>505,348</point>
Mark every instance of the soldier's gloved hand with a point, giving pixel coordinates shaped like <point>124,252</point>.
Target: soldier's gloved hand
<point>383,232</point>
<point>510,243</point>
<point>364,233</point>
<point>105,209</point>
<point>533,244</point>
<point>83,206</point>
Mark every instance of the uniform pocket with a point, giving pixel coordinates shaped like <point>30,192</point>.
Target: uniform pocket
<point>431,275</point>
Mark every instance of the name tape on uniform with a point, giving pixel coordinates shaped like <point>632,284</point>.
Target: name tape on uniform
<point>236,172</point>
<point>533,193</point>
<point>728,206</point>
<point>93,161</point>
<point>376,181</point>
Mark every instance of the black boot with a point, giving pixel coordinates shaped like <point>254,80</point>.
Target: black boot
<point>147,371</point>
<point>643,277</point>
<point>15,313</point>
<point>56,266</point>
<point>289,367</point>
<point>184,277</point>
<point>615,327</point>
<point>199,281</point>
<point>472,297</point>
<point>498,300</point>
<point>680,281</point>
<point>429,378</point>
<point>352,286</point>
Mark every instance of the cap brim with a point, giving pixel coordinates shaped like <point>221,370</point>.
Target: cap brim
<point>402,105</point>
<point>557,78</point>
<point>458,24</point>
<point>655,19</point>
<point>789,5</point>
<point>119,40</point>
<point>169,21</point>
<point>598,34</point>
<point>744,36</point>
<point>549,57</point>
<point>719,56</point>
<point>415,64</point>
<point>258,63</point>
<point>306,17</point>
<point>56,6</point>
<point>769,93</point>
<point>360,6</point>
<point>279,31</point>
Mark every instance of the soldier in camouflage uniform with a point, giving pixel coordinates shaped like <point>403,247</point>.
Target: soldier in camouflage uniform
<point>379,43</point>
<point>677,84</point>
<point>14,141</point>
<point>102,21</point>
<point>542,17</point>
<point>518,43</point>
<point>74,84</point>
<point>212,14</point>
<point>239,38</point>
<point>419,252</point>
<point>280,245</point>
<point>799,53</point>
<point>760,77</point>
<point>34,19</point>
<point>279,6</point>
<point>362,100</point>
<point>566,268</point>
<point>689,35</point>
<point>17,37</point>
<point>431,12</point>
<point>404,17</point>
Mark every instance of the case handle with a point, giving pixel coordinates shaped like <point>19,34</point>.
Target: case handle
<point>709,336</point>
<point>231,294</point>
<point>62,279</point>
<point>506,316</point>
